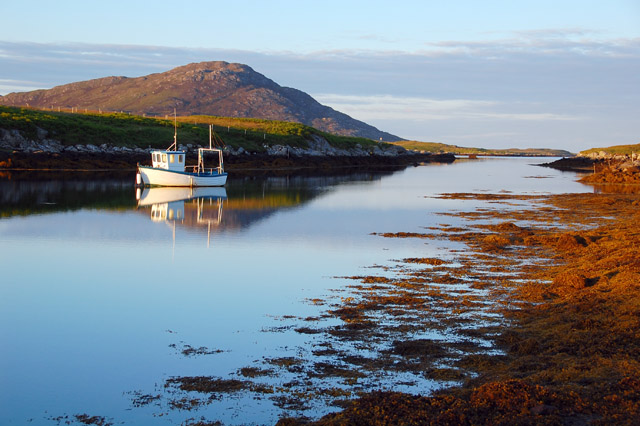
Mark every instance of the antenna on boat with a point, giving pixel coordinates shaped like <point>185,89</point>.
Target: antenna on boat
<point>210,134</point>
<point>175,130</point>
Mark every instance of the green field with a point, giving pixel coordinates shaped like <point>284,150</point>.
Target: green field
<point>435,147</point>
<point>121,129</point>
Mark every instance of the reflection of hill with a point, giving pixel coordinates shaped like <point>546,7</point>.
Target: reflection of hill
<point>20,197</point>
<point>247,200</point>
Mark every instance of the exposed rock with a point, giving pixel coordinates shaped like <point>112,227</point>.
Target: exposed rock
<point>14,140</point>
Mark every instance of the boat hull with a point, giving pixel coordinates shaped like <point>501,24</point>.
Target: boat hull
<point>161,177</point>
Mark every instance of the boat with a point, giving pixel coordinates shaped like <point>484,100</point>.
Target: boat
<point>168,167</point>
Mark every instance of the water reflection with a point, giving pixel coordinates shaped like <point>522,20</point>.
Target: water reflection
<point>245,201</point>
<point>63,192</point>
<point>203,205</point>
<point>93,309</point>
<point>192,207</point>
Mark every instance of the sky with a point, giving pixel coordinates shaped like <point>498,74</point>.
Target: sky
<point>495,73</point>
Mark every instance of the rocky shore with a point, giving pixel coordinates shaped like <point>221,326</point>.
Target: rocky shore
<point>18,152</point>
<point>602,167</point>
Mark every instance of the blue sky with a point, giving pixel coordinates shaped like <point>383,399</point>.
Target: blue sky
<point>560,74</point>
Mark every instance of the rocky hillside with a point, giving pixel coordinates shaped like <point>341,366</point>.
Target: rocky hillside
<point>206,88</point>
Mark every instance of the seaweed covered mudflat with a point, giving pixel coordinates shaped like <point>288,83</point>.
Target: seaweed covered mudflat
<point>563,272</point>
<point>530,317</point>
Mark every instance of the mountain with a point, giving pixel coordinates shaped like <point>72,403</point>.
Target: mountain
<point>205,88</point>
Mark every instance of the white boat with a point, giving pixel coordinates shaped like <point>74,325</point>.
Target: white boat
<point>168,168</point>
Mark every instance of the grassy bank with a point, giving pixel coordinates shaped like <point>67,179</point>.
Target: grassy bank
<point>436,147</point>
<point>122,130</point>
<point>614,150</point>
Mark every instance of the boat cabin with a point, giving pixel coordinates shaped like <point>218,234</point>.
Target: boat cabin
<point>168,160</point>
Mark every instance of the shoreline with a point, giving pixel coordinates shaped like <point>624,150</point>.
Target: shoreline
<point>240,164</point>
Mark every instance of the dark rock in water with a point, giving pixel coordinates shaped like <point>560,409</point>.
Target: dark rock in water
<point>572,164</point>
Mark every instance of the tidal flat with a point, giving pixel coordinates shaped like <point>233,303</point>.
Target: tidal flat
<point>418,296</point>
<point>562,274</point>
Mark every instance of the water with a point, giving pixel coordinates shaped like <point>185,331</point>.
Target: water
<point>100,293</point>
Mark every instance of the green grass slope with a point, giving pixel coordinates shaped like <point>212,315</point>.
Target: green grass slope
<point>121,129</point>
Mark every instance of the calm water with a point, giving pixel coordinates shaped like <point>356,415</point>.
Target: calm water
<point>100,292</point>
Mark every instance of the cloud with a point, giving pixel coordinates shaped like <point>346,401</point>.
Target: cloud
<point>566,88</point>
<point>550,43</point>
<point>17,85</point>
<point>370,108</point>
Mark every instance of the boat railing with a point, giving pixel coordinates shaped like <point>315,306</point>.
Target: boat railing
<point>200,170</point>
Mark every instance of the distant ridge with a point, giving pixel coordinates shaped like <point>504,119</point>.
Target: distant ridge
<point>205,88</point>
<point>436,147</point>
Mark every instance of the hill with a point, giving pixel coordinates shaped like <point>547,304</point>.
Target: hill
<point>206,88</point>
<point>436,147</point>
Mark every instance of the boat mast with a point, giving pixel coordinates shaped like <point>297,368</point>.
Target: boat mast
<point>174,146</point>
<point>175,130</point>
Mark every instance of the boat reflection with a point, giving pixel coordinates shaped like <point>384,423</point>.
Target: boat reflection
<point>169,203</point>
<point>195,206</point>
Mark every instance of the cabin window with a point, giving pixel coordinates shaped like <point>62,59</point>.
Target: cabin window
<point>164,158</point>
<point>171,158</point>
<point>180,158</point>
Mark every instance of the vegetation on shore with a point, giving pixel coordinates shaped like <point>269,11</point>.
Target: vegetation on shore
<point>436,147</point>
<point>122,129</point>
<point>614,150</point>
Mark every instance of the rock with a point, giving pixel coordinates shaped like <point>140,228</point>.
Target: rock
<point>278,150</point>
<point>569,242</point>
<point>42,133</point>
<point>570,279</point>
<point>495,241</point>
<point>543,409</point>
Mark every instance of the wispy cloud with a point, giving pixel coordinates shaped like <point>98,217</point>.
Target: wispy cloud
<point>371,108</point>
<point>566,87</point>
